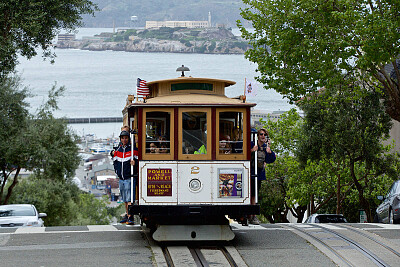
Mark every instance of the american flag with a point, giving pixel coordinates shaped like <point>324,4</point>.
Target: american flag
<point>141,88</point>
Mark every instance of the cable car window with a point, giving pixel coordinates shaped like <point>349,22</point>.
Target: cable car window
<point>231,133</point>
<point>194,132</point>
<point>192,86</point>
<point>157,133</point>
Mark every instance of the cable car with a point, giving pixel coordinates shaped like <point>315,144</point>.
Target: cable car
<point>194,155</point>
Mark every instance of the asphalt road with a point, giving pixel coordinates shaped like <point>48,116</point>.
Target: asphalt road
<point>120,245</point>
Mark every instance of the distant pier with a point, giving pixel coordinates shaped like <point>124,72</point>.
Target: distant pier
<point>256,115</point>
<point>94,120</point>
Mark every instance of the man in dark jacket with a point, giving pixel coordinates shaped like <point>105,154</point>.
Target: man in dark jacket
<point>123,158</point>
<point>264,155</point>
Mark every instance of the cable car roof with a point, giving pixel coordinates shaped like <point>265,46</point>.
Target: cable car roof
<point>193,99</point>
<point>192,80</point>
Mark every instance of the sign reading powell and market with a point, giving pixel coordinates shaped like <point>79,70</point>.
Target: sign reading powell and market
<point>159,182</point>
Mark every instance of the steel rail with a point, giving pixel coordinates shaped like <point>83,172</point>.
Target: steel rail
<point>167,256</point>
<point>372,238</point>
<point>228,256</point>
<point>198,256</point>
<point>366,252</point>
<point>322,243</point>
<point>223,250</point>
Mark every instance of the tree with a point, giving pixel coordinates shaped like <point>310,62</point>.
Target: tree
<point>62,201</point>
<point>347,127</point>
<point>319,183</point>
<point>28,25</point>
<point>302,46</point>
<point>37,142</point>
<point>14,120</point>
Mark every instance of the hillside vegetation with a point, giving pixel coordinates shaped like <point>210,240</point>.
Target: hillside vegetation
<point>120,12</point>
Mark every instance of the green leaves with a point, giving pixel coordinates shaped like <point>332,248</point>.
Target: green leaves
<point>28,25</point>
<point>36,142</point>
<point>331,157</point>
<point>314,44</point>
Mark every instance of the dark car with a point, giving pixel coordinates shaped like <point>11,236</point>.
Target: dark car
<point>389,210</point>
<point>326,218</point>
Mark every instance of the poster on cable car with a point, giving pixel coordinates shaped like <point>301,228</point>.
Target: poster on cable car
<point>230,182</point>
<point>159,182</point>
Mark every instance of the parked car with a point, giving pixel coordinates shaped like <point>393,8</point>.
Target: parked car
<point>326,218</point>
<point>20,215</point>
<point>389,210</point>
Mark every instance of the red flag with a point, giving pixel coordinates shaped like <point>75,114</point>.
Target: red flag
<point>141,88</point>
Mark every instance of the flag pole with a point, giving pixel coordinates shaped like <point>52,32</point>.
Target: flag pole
<point>245,85</point>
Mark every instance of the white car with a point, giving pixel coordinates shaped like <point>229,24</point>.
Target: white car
<point>20,215</point>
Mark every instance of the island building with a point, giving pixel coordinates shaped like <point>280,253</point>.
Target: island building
<point>66,37</point>
<point>175,24</point>
<point>152,24</point>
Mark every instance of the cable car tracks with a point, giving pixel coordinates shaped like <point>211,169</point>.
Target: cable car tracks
<point>199,256</point>
<point>347,246</point>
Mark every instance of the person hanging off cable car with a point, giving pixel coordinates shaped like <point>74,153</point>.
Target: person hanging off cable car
<point>122,160</point>
<point>264,156</point>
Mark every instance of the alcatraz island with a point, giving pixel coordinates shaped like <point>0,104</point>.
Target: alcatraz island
<point>207,40</point>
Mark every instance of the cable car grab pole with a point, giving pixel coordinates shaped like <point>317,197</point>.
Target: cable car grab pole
<point>132,167</point>
<point>256,171</point>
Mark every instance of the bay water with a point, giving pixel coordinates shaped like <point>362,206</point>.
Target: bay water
<point>98,82</point>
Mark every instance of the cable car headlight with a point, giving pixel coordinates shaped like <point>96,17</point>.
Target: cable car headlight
<point>195,185</point>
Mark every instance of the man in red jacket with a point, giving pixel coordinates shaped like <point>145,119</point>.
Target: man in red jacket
<point>123,159</point>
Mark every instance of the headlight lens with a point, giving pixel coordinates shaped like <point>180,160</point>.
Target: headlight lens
<point>32,223</point>
<point>195,185</point>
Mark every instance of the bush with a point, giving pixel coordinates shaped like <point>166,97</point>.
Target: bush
<point>63,201</point>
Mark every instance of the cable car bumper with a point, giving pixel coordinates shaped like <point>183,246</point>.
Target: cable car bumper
<point>195,210</point>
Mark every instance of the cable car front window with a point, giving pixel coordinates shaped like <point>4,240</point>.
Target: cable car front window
<point>194,132</point>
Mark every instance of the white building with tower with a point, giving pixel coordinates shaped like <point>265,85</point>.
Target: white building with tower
<point>153,24</point>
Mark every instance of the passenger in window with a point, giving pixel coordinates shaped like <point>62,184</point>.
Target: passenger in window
<point>224,146</point>
<point>164,149</point>
<point>163,144</point>
<point>154,148</point>
<point>201,150</point>
<point>237,144</point>
<point>187,148</point>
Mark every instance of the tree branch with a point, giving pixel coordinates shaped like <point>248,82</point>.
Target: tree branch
<point>371,5</point>
<point>14,183</point>
<point>3,184</point>
<point>324,202</point>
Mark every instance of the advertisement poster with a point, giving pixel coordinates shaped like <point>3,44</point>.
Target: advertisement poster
<point>159,182</point>
<point>230,182</point>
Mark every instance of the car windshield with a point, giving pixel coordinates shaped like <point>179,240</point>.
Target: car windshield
<point>16,211</point>
<point>330,219</point>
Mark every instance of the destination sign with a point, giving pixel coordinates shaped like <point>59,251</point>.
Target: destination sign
<point>159,182</point>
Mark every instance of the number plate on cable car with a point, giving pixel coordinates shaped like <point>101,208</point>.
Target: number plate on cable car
<point>159,182</point>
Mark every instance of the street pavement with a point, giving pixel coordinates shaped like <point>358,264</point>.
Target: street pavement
<point>121,245</point>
